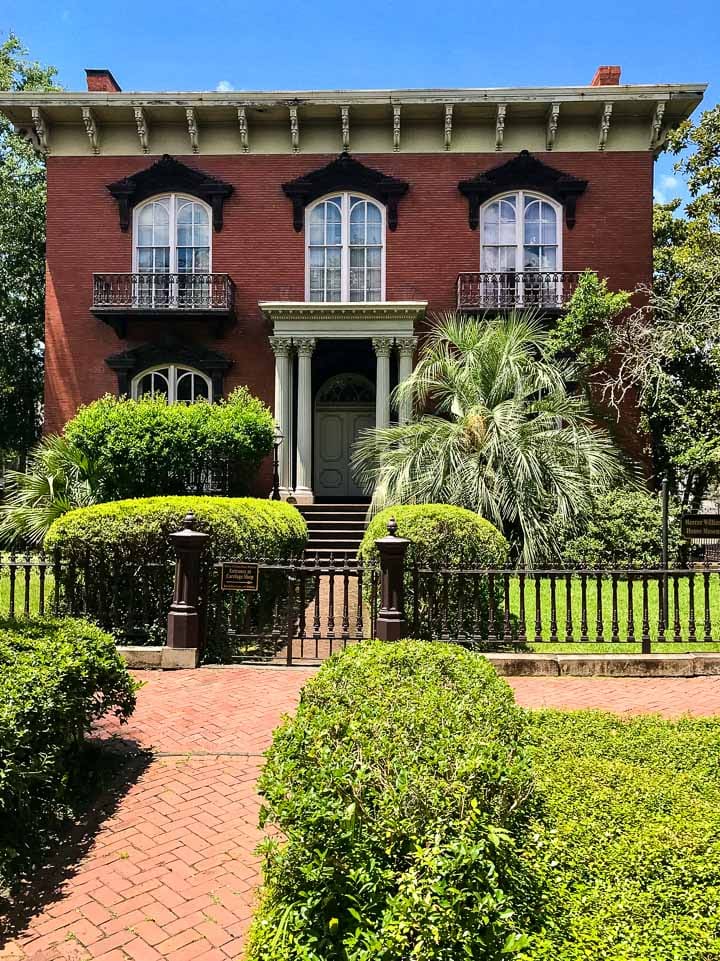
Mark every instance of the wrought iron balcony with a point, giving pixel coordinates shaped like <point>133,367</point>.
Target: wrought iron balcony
<point>119,297</point>
<point>505,290</point>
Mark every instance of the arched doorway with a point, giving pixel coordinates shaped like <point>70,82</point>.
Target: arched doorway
<point>344,406</point>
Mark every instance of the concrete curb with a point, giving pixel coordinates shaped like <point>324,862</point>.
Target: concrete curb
<point>159,658</point>
<point>508,665</point>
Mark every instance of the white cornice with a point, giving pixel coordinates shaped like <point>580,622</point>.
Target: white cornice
<point>343,321</point>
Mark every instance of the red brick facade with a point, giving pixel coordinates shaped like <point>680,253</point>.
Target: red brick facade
<point>264,255</point>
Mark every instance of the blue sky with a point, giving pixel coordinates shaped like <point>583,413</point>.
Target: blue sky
<point>181,45</point>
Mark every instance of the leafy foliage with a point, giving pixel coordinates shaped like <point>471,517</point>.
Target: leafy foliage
<point>581,332</point>
<point>56,677</point>
<point>58,478</point>
<point>507,439</point>
<point>22,260</point>
<point>148,447</point>
<point>630,835</point>
<point>402,797</point>
<point>623,530</point>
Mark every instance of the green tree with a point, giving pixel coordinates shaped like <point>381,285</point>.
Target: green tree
<point>506,437</point>
<point>22,260</point>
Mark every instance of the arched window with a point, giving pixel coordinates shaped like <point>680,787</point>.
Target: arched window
<point>181,385</point>
<point>521,232</point>
<point>345,249</point>
<point>172,245</point>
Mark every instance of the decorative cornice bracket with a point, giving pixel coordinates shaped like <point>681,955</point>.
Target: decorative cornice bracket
<point>294,129</point>
<point>552,125</point>
<point>605,125</point>
<point>396,127</point>
<point>243,126</point>
<point>193,132</point>
<point>344,173</point>
<point>345,123</point>
<point>91,129</point>
<point>142,128</point>
<point>448,125</point>
<point>523,172</point>
<point>500,125</point>
<point>41,130</point>
<point>656,126</point>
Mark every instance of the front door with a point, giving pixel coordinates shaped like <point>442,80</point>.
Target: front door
<point>337,428</point>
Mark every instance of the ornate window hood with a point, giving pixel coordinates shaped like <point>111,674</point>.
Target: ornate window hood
<point>128,363</point>
<point>343,321</point>
<point>344,173</point>
<point>523,172</point>
<point>168,175</point>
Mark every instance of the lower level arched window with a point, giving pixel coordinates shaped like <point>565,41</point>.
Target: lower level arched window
<point>181,385</point>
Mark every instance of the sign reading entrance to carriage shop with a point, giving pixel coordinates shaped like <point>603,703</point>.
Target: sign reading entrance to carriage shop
<point>238,576</point>
<point>701,526</point>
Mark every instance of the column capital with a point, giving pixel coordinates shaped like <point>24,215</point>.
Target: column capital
<point>281,346</point>
<point>406,345</point>
<point>305,345</point>
<point>382,346</point>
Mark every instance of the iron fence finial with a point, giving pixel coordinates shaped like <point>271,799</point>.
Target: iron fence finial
<point>392,527</point>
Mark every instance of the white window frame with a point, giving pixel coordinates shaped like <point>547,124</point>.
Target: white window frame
<point>492,290</point>
<point>345,196</point>
<point>172,228</point>
<point>175,371</point>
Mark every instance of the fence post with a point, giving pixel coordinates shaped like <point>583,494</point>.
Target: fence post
<point>391,624</point>
<point>183,626</point>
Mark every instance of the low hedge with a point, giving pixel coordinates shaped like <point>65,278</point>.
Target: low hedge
<point>56,677</point>
<point>400,801</point>
<point>444,536</point>
<point>150,447</point>
<point>631,837</point>
<point>108,549</point>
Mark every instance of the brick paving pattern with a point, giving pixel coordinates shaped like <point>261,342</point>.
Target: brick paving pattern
<point>170,872</point>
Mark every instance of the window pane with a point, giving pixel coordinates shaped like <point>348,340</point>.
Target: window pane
<point>373,214</point>
<point>185,212</point>
<point>184,235</point>
<point>549,233</point>
<point>202,235</point>
<point>317,278</point>
<point>145,259</point>
<point>333,234</point>
<point>507,233</point>
<point>357,279</point>
<point>491,233</point>
<point>357,232</point>
<point>532,258</point>
<point>373,279</point>
<point>334,256</point>
<point>549,258</point>
<point>317,233</point>
<point>184,389</point>
<point>184,260</point>
<point>492,213</point>
<point>202,260</point>
<point>317,256</point>
<point>357,256</point>
<point>532,232</point>
<point>374,256</point>
<point>507,210</point>
<point>333,279</point>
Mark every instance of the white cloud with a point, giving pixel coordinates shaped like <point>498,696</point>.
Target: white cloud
<point>666,188</point>
<point>224,86</point>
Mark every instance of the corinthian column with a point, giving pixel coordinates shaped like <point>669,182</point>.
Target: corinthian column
<point>382,347</point>
<point>406,347</point>
<point>281,347</point>
<point>303,491</point>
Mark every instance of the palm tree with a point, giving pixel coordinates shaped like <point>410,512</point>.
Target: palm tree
<point>506,438</point>
<point>59,478</point>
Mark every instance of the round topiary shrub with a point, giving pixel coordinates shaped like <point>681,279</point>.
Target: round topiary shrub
<point>118,558</point>
<point>401,801</point>
<point>444,537</point>
<point>150,447</point>
<point>624,530</point>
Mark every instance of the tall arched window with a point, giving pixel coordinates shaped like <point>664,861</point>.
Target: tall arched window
<point>345,249</point>
<point>520,232</point>
<point>172,246</point>
<point>181,385</point>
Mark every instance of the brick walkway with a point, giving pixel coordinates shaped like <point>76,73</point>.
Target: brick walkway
<point>165,869</point>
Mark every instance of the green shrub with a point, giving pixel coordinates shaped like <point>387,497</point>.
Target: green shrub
<point>108,549</point>
<point>399,795</point>
<point>632,838</point>
<point>149,447</point>
<point>624,530</point>
<point>443,536</point>
<point>56,677</point>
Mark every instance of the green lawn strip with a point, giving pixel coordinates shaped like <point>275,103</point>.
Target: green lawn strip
<point>637,607</point>
<point>631,837</point>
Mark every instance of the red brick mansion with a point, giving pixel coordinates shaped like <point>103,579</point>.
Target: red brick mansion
<point>294,242</point>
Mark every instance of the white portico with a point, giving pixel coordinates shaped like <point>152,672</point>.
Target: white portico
<point>298,329</point>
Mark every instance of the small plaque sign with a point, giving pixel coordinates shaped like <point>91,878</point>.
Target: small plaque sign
<point>701,526</point>
<point>238,576</point>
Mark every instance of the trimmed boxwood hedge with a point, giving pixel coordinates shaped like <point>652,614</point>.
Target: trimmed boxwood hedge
<point>150,447</point>
<point>108,549</point>
<point>401,802</point>
<point>56,677</point>
<point>444,536</point>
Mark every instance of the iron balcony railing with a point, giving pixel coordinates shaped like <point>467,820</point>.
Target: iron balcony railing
<point>148,293</point>
<point>504,290</point>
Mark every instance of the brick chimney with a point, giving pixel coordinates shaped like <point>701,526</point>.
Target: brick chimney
<point>101,81</point>
<point>606,77</point>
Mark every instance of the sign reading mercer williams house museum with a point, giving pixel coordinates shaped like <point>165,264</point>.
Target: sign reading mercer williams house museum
<point>296,242</point>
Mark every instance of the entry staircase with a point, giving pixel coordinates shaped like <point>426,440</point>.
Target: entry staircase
<point>334,529</point>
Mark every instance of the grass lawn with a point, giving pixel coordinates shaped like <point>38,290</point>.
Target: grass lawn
<point>669,646</point>
<point>631,838</point>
